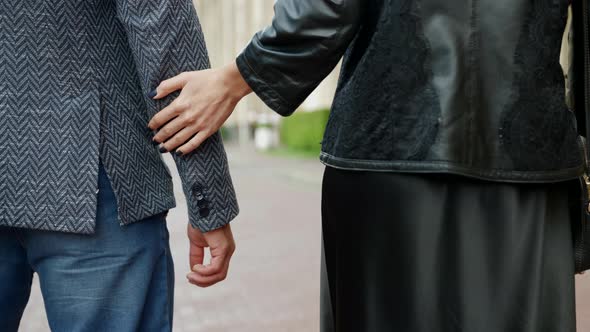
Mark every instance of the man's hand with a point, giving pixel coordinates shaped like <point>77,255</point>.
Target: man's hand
<point>206,100</point>
<point>222,246</point>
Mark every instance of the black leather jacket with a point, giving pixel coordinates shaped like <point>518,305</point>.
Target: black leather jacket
<point>473,88</point>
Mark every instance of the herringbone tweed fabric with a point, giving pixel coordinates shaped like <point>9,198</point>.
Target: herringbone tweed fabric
<point>74,75</point>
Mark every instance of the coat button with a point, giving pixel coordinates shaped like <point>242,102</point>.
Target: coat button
<point>204,212</point>
<point>197,189</point>
<point>203,203</point>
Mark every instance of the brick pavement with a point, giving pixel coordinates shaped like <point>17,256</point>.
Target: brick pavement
<point>273,284</point>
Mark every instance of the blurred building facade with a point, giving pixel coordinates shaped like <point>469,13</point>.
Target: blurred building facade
<point>229,25</point>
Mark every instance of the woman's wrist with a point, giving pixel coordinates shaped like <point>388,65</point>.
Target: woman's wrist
<point>237,87</point>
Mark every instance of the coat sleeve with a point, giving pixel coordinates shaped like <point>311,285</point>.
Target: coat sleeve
<point>285,62</point>
<point>165,38</point>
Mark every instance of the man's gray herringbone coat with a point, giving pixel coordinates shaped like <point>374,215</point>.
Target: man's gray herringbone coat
<point>74,75</point>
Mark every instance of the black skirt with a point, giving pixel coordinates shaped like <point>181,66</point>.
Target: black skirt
<point>429,253</point>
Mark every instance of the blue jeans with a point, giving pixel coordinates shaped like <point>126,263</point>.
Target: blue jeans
<point>119,279</point>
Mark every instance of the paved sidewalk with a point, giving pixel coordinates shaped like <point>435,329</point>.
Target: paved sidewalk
<point>274,279</point>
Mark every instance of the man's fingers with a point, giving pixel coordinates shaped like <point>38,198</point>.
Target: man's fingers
<point>196,255</point>
<point>222,247</point>
<point>194,143</point>
<point>205,281</point>
<point>218,265</point>
<point>170,85</point>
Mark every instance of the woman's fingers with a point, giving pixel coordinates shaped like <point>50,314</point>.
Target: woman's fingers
<point>170,85</point>
<point>207,99</point>
<point>174,109</point>
<point>166,115</point>
<point>169,130</point>
<point>193,144</point>
<point>181,137</point>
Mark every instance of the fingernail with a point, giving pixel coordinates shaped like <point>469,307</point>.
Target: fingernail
<point>155,143</point>
<point>179,153</point>
<point>152,93</point>
<point>163,149</point>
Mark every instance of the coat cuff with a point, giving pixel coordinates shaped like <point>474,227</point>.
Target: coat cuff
<point>207,185</point>
<point>206,215</point>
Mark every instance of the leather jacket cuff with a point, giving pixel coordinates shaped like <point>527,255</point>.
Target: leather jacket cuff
<point>266,93</point>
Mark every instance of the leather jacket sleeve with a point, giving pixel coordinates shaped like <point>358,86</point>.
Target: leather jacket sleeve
<point>285,62</point>
<point>166,39</point>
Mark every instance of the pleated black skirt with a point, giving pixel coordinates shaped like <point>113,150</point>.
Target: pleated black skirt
<point>430,253</point>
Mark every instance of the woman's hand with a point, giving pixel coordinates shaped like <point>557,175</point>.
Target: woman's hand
<point>206,100</point>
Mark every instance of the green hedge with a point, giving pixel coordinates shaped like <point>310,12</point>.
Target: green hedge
<point>303,131</point>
